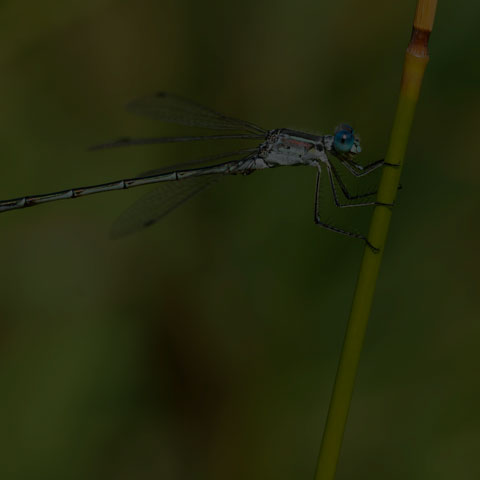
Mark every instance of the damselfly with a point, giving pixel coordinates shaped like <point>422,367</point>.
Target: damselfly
<point>278,147</point>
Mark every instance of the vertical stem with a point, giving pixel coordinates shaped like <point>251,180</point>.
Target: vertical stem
<point>416,59</point>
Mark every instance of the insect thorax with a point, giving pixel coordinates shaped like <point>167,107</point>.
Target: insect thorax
<point>286,147</point>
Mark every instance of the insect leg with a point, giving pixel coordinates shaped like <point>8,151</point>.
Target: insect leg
<point>327,226</point>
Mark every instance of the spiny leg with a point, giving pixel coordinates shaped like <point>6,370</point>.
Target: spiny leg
<point>343,187</point>
<point>358,170</point>
<point>347,194</point>
<point>322,224</point>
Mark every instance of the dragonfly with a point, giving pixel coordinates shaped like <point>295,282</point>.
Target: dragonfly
<point>276,148</point>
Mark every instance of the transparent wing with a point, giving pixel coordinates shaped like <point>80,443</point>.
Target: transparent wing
<point>157,203</point>
<point>128,142</point>
<point>160,201</point>
<point>199,162</point>
<point>174,109</point>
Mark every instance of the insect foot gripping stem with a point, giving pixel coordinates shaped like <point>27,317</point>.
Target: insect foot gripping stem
<point>395,165</point>
<point>371,247</point>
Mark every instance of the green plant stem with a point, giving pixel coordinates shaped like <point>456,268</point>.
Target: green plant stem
<point>415,62</point>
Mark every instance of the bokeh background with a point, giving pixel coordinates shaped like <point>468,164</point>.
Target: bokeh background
<point>206,346</point>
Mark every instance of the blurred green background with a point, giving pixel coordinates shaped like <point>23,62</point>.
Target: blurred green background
<point>206,346</point>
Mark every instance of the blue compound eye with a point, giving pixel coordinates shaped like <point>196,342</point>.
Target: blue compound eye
<point>343,139</point>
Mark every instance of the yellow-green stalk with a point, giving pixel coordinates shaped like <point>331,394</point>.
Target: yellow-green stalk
<point>416,60</point>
